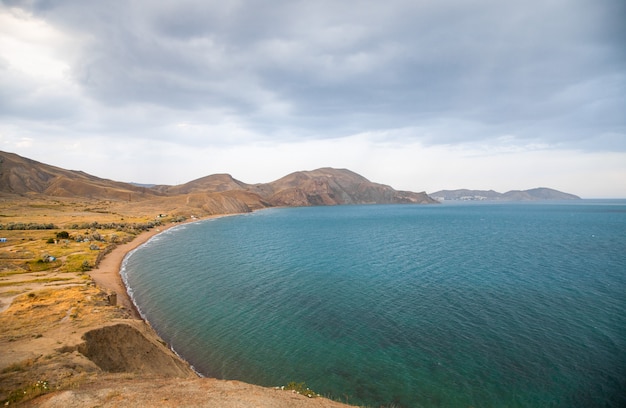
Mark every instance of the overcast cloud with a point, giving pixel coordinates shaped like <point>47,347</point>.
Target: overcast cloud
<point>421,95</point>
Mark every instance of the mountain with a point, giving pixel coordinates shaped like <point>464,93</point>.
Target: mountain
<point>534,194</point>
<point>213,194</point>
<point>328,186</point>
<point>22,176</point>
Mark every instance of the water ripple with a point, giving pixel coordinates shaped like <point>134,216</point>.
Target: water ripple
<point>484,305</point>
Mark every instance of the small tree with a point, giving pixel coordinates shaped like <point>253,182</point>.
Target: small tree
<point>63,235</point>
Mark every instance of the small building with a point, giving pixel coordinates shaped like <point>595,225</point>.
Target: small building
<point>3,240</point>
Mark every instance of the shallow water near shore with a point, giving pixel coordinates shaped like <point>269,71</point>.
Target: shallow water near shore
<point>451,305</point>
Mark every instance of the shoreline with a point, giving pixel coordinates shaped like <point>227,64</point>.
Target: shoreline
<point>107,276</point>
<point>95,351</point>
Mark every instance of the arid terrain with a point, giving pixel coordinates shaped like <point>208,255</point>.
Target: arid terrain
<point>66,341</point>
<point>70,335</point>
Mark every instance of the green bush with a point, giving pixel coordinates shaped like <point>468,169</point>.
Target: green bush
<point>27,393</point>
<point>301,389</point>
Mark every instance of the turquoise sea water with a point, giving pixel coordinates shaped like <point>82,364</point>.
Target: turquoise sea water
<point>453,305</point>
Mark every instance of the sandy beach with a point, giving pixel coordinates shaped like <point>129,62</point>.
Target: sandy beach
<point>107,274</point>
<point>64,344</point>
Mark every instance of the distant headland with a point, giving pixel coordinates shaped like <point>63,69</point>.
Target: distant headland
<point>534,194</point>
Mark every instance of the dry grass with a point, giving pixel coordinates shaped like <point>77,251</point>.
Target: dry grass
<point>40,311</point>
<point>45,306</point>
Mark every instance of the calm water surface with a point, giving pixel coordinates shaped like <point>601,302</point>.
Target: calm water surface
<point>454,305</point>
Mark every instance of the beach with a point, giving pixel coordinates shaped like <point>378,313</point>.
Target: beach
<point>64,343</point>
<point>107,274</point>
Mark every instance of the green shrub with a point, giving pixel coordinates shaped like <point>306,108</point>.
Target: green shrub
<point>27,393</point>
<point>301,389</point>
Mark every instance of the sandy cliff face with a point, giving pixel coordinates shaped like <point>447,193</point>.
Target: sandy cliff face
<point>130,347</point>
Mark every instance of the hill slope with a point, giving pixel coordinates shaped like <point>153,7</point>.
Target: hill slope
<point>22,176</point>
<point>214,194</point>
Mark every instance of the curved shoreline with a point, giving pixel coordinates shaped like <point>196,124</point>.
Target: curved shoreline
<point>108,275</point>
<point>97,354</point>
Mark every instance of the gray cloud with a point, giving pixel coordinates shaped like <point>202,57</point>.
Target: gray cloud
<point>554,71</point>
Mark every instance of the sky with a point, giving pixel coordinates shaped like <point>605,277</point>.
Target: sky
<point>421,95</point>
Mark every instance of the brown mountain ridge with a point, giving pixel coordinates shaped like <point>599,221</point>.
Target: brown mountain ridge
<point>23,176</point>
<point>213,194</point>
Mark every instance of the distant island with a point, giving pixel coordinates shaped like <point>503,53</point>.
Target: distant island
<point>534,194</point>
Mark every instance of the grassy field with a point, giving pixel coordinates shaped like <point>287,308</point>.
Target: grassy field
<point>35,231</point>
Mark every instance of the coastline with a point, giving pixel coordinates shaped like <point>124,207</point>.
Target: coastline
<point>69,344</point>
<point>107,275</point>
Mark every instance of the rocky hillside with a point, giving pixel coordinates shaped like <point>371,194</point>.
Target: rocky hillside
<point>535,194</point>
<point>214,194</point>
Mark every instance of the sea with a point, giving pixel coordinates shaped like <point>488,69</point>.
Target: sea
<point>453,305</point>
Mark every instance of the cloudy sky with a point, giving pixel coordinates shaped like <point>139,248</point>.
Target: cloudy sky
<point>418,94</point>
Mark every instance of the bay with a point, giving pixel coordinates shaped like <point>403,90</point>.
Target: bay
<point>451,305</point>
